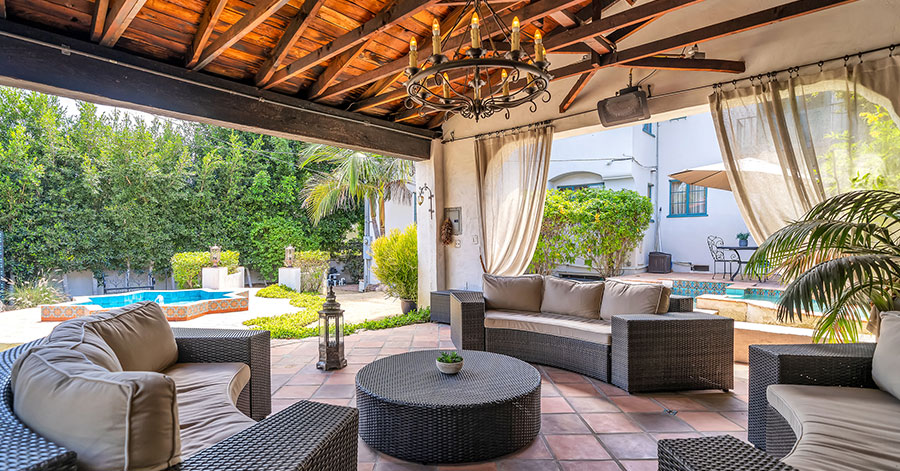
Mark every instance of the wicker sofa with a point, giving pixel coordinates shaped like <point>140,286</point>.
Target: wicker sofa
<point>63,403</point>
<point>635,336</point>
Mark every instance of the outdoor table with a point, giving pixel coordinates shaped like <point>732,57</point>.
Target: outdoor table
<point>410,410</point>
<point>737,250</point>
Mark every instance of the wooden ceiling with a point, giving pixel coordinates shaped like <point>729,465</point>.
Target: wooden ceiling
<point>351,54</point>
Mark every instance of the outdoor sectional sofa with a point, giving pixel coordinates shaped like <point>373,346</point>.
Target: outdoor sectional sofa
<point>633,335</point>
<point>122,390</point>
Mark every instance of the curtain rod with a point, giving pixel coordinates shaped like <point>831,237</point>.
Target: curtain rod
<point>500,131</point>
<point>820,63</point>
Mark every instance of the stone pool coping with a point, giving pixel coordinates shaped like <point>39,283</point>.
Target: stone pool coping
<point>236,300</point>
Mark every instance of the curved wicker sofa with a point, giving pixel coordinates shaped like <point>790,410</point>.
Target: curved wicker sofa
<point>305,436</point>
<point>677,350</point>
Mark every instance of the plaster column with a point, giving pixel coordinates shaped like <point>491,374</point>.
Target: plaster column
<point>431,254</point>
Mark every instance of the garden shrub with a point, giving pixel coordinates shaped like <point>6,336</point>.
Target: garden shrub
<point>187,266</point>
<point>397,263</point>
<point>295,325</point>
<point>276,291</point>
<point>312,265</point>
<point>596,225</point>
<point>24,294</point>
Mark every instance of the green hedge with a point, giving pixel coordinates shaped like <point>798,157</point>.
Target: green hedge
<point>187,266</point>
<point>397,263</point>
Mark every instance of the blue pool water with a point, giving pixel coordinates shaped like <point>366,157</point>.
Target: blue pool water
<point>171,298</point>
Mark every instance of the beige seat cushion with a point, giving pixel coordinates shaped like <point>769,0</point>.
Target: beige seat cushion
<point>634,298</point>
<point>589,330</point>
<point>572,298</point>
<point>839,428</point>
<point>514,293</point>
<point>113,420</point>
<point>885,367</point>
<point>137,335</point>
<point>207,394</point>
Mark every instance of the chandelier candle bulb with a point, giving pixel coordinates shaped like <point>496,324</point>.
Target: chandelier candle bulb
<point>515,34</point>
<point>476,34</point>
<point>435,37</point>
<point>538,46</point>
<point>503,76</point>
<point>446,86</point>
<point>413,53</point>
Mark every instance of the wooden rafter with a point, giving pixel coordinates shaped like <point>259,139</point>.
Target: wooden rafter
<point>207,25</point>
<point>526,14</point>
<point>725,28</point>
<point>2,8</point>
<point>295,30</point>
<point>436,121</point>
<point>570,97</point>
<point>677,63</point>
<point>121,13</point>
<point>622,33</point>
<point>261,12</point>
<point>338,65</point>
<point>382,21</point>
<point>98,21</point>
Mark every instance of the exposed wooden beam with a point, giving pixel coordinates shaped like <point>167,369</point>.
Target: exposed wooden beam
<point>98,21</point>
<point>570,97</point>
<point>614,22</point>
<point>382,21</point>
<point>677,63</point>
<point>627,31</point>
<point>117,78</point>
<point>725,28</point>
<point>378,100</point>
<point>261,12</point>
<point>121,13</point>
<point>207,25</point>
<point>338,65</point>
<point>437,120</point>
<point>378,87</point>
<point>2,8</point>
<point>294,31</point>
<point>565,19</point>
<point>526,14</point>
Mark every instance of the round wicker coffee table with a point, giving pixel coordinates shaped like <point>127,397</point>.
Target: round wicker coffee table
<point>410,410</point>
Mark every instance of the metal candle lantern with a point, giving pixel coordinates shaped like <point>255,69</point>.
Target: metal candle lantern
<point>289,256</point>
<point>331,334</point>
<point>215,255</point>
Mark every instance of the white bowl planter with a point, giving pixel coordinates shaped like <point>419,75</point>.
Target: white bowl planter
<point>449,368</point>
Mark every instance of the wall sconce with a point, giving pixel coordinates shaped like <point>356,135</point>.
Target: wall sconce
<point>422,191</point>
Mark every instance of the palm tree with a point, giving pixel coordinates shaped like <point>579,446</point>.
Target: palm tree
<point>355,178</point>
<point>842,256</point>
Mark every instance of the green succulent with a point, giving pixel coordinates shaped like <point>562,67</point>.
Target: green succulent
<point>449,357</point>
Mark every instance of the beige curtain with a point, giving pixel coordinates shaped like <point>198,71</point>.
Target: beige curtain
<point>512,183</point>
<point>788,144</point>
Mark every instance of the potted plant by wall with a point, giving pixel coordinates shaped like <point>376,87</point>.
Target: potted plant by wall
<point>742,238</point>
<point>397,265</point>
<point>449,363</point>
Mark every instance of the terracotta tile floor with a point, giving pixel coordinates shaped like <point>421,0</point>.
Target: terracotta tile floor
<point>586,424</point>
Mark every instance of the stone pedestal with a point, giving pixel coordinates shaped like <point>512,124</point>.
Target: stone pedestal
<point>290,277</point>
<point>219,279</point>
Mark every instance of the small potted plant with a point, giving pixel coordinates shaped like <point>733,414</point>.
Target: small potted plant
<point>742,238</point>
<point>449,363</point>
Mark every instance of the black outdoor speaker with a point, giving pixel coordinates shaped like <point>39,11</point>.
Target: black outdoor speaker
<point>628,106</point>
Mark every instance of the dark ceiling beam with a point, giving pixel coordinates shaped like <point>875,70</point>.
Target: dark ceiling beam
<point>2,8</point>
<point>112,77</point>
<point>526,15</point>
<point>678,63</point>
<point>337,65</point>
<point>204,30</point>
<point>259,13</point>
<point>576,89</point>
<point>402,10</point>
<point>622,33</point>
<point>121,14</point>
<point>98,21</point>
<point>294,31</point>
<point>725,28</point>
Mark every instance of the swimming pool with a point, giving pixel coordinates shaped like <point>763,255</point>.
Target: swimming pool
<point>180,305</point>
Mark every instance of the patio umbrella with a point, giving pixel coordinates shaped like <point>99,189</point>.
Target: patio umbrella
<point>714,175</point>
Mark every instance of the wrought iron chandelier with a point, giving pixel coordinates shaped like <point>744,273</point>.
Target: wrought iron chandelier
<point>492,80</point>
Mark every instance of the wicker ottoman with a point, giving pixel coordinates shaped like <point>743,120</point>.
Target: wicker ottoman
<point>719,453</point>
<point>410,410</point>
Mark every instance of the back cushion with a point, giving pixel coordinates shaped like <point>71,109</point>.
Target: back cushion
<point>572,298</point>
<point>111,420</point>
<point>634,298</point>
<point>513,293</point>
<point>884,363</point>
<point>138,335</point>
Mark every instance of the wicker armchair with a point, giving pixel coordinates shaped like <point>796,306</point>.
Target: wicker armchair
<point>305,436</point>
<point>655,352</point>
